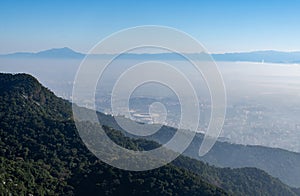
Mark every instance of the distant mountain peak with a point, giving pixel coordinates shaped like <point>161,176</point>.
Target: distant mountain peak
<point>59,52</point>
<point>64,52</point>
<point>64,49</point>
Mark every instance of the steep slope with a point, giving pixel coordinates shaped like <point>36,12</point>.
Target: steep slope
<point>36,127</point>
<point>41,153</point>
<point>279,163</point>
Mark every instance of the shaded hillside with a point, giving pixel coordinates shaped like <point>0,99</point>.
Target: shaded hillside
<point>41,153</point>
<point>36,128</point>
<point>279,163</point>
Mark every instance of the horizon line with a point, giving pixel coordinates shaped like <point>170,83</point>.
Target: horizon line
<point>210,53</point>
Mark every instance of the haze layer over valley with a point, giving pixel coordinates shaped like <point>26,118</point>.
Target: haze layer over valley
<point>262,98</point>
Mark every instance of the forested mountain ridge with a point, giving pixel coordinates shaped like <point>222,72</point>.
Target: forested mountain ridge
<point>277,162</point>
<point>41,153</point>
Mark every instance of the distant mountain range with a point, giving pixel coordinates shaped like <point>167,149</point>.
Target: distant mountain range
<point>270,56</point>
<point>260,56</point>
<point>52,53</point>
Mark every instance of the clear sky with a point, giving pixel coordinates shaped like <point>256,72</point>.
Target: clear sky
<point>221,26</point>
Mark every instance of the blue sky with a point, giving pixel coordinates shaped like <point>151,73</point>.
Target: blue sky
<point>221,26</point>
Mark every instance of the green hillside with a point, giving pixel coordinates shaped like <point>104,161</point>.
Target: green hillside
<point>42,154</point>
<point>279,163</point>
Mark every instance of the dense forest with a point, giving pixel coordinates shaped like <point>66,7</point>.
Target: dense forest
<point>41,153</point>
